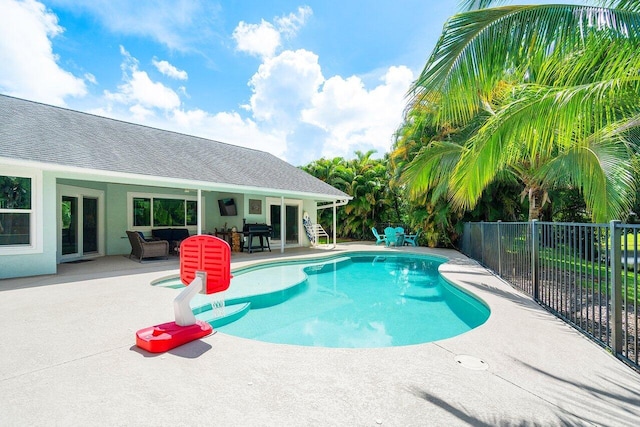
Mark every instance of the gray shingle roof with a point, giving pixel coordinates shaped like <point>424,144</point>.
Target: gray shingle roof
<point>43,133</point>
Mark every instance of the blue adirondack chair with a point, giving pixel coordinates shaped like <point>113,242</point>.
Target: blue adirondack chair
<point>379,238</point>
<point>391,235</point>
<point>412,239</point>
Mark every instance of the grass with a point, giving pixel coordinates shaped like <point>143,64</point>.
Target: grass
<point>596,271</point>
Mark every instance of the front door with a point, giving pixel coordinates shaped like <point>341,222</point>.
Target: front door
<point>79,225</point>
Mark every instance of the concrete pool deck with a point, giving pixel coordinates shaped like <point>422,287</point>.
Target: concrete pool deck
<point>67,357</point>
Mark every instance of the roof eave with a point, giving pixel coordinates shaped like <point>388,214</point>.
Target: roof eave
<point>99,175</point>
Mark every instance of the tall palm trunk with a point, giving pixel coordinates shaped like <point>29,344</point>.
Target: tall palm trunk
<point>537,199</point>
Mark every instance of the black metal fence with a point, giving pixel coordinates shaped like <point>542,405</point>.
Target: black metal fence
<point>567,268</point>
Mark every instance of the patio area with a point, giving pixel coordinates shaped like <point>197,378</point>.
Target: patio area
<point>68,357</point>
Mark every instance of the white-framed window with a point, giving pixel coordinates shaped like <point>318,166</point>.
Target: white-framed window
<point>19,215</point>
<point>147,211</point>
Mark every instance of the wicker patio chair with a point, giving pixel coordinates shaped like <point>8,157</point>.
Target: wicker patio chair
<point>141,249</point>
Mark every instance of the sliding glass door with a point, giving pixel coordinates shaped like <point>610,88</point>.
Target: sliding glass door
<point>292,221</point>
<point>70,220</point>
<point>80,223</point>
<point>89,225</point>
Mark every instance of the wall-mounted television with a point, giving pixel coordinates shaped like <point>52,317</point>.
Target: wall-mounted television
<point>227,207</point>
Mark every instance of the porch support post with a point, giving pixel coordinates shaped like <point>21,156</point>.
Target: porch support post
<point>335,220</point>
<point>283,214</point>
<point>199,220</point>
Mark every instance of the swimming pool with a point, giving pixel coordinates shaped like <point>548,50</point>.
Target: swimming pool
<point>365,300</point>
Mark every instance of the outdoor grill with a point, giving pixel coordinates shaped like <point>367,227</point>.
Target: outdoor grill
<point>261,231</point>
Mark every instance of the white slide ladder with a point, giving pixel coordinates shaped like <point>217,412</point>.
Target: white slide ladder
<point>314,231</point>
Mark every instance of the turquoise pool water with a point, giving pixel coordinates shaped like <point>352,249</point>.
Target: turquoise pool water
<point>361,301</point>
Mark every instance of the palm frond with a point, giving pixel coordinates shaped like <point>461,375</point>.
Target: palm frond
<point>628,5</point>
<point>479,48</point>
<point>431,167</point>
<point>602,173</point>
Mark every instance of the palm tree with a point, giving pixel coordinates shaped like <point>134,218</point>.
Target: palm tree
<point>336,173</point>
<point>546,93</point>
<point>369,190</point>
<point>363,178</point>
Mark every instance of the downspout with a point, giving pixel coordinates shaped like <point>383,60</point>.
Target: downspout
<point>199,220</point>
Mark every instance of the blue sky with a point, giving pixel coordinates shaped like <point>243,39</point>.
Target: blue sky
<point>301,80</point>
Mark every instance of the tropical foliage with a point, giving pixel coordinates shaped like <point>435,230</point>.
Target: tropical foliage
<point>520,112</point>
<point>15,192</point>
<point>545,96</point>
<point>366,180</point>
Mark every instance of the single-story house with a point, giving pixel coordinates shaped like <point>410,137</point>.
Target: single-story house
<point>72,184</point>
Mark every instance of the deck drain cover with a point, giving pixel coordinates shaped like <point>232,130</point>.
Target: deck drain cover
<point>471,362</point>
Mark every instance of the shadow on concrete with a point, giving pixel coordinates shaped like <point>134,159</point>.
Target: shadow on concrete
<point>613,400</point>
<point>464,415</point>
<point>190,350</point>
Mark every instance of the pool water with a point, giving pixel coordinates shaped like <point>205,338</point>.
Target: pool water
<point>365,301</point>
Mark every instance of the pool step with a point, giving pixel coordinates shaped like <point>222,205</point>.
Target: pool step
<point>326,265</point>
<point>424,295</point>
<point>231,313</point>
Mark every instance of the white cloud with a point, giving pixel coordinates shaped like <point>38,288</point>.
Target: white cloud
<point>90,78</point>
<point>355,117</point>
<point>140,113</point>
<point>257,39</point>
<point>140,92</point>
<point>265,38</point>
<point>290,24</point>
<point>29,66</point>
<point>290,92</point>
<point>169,70</point>
<point>284,85</point>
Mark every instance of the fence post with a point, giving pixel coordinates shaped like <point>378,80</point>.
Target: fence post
<point>499,249</point>
<point>534,258</point>
<point>483,243</point>
<point>615,258</point>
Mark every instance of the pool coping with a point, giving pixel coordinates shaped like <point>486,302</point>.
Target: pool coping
<point>68,358</point>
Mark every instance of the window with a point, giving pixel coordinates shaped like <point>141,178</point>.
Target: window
<point>163,211</point>
<point>15,210</point>
<point>192,212</point>
<point>141,212</point>
<point>168,212</point>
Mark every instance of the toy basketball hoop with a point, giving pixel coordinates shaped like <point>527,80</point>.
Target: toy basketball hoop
<point>205,265</point>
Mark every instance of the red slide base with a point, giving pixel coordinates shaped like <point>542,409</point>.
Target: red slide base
<point>164,337</point>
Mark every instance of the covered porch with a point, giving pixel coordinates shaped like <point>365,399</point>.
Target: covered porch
<point>93,216</point>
